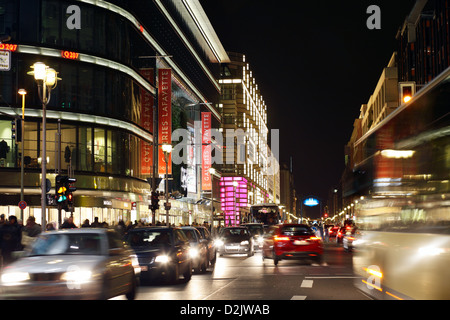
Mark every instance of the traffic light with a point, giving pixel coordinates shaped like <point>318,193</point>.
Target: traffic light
<point>155,201</point>
<point>69,190</point>
<point>60,188</point>
<point>16,130</point>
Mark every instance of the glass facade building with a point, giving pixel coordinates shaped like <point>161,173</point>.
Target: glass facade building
<point>102,109</point>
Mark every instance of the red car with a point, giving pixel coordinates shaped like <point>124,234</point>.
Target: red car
<point>292,242</point>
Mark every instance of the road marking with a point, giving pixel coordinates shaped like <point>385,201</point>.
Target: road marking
<point>221,288</point>
<point>298,298</point>
<point>307,283</point>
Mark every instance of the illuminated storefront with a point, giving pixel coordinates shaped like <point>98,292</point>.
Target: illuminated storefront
<point>99,108</point>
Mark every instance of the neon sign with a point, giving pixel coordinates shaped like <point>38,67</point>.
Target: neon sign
<point>311,202</point>
<point>8,46</point>
<point>70,55</point>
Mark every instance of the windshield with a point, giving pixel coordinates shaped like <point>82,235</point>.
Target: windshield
<point>67,244</point>
<point>256,229</point>
<point>235,232</point>
<point>149,238</point>
<point>296,231</point>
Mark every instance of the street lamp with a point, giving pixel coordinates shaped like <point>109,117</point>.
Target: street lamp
<point>22,92</point>
<point>46,79</point>
<point>167,149</point>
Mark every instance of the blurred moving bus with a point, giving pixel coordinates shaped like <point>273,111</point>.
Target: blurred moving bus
<point>402,183</point>
<point>265,213</point>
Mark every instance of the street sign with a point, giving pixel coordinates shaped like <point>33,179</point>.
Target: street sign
<point>22,205</point>
<point>311,202</point>
<point>5,60</point>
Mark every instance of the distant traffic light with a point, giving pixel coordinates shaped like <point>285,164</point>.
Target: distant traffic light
<point>155,201</point>
<point>16,130</point>
<point>60,189</point>
<point>70,189</point>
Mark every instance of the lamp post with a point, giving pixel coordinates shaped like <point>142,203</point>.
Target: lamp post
<point>46,79</point>
<point>167,149</point>
<point>22,92</point>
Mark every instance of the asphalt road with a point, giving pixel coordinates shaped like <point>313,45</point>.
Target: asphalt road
<point>239,278</point>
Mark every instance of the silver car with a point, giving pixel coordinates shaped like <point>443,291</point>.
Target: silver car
<point>86,263</point>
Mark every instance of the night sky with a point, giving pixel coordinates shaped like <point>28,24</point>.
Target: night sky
<point>316,63</point>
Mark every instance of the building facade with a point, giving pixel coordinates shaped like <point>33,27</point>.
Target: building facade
<point>103,107</point>
<point>244,122</point>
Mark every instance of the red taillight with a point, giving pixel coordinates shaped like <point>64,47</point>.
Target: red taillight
<point>350,238</point>
<point>281,238</point>
<point>315,238</point>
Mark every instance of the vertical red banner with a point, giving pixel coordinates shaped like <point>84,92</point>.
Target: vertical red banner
<point>206,150</point>
<point>164,117</point>
<point>147,123</point>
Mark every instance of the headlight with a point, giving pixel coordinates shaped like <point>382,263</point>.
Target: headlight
<point>244,243</point>
<point>193,252</point>
<point>77,276</point>
<point>135,263</point>
<point>14,278</point>
<point>260,240</point>
<point>162,259</point>
<point>218,243</point>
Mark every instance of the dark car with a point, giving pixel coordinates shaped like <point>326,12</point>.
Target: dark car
<point>208,239</point>
<point>234,240</point>
<point>292,241</point>
<point>333,231</point>
<point>341,233</point>
<point>257,231</point>
<point>199,249</point>
<point>161,252</point>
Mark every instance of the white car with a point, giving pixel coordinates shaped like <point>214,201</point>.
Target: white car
<point>86,263</point>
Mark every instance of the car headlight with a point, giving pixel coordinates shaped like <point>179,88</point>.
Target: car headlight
<point>14,278</point>
<point>218,243</point>
<point>244,243</point>
<point>193,252</point>
<point>162,259</point>
<point>77,276</point>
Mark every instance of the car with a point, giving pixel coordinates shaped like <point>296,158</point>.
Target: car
<point>340,234</point>
<point>199,249</point>
<point>208,239</point>
<point>163,253</point>
<point>332,232</point>
<point>257,231</point>
<point>234,240</point>
<point>83,263</point>
<point>292,241</point>
<point>349,237</point>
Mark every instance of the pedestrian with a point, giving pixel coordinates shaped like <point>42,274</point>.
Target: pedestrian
<point>32,229</point>
<point>68,223</point>
<point>11,239</point>
<point>96,224</point>
<point>86,224</point>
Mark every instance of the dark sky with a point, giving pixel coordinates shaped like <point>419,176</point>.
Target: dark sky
<point>316,63</point>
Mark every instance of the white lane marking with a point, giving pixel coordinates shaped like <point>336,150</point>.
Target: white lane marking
<point>307,283</point>
<point>298,298</point>
<point>332,277</point>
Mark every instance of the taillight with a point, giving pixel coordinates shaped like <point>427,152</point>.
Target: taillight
<point>315,238</point>
<point>281,238</point>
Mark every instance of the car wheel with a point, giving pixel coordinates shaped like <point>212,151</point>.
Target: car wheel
<point>187,275</point>
<point>131,295</point>
<point>275,258</point>
<point>104,292</point>
<point>204,265</point>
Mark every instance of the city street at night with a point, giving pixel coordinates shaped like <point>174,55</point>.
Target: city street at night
<point>238,277</point>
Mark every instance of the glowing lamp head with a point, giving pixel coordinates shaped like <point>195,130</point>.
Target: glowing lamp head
<point>40,70</point>
<point>50,79</point>
<point>166,148</point>
<point>406,99</point>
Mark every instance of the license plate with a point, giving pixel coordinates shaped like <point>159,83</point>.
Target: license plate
<point>144,268</point>
<point>232,247</point>
<point>300,242</point>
